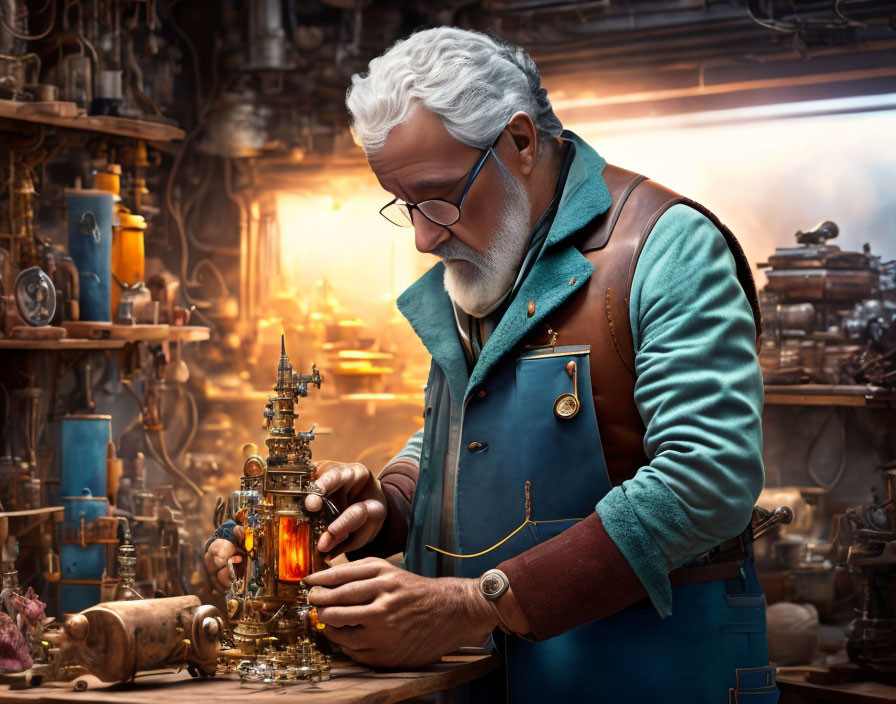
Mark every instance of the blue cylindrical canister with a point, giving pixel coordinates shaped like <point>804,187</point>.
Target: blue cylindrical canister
<point>90,220</point>
<point>74,598</point>
<point>85,506</point>
<point>83,454</point>
<point>81,560</point>
<point>82,563</point>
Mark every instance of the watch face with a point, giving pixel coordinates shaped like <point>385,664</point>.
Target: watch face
<point>491,585</point>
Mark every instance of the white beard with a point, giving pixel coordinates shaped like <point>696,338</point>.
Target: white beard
<point>477,281</point>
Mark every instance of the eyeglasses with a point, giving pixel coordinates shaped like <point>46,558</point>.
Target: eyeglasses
<point>436,210</point>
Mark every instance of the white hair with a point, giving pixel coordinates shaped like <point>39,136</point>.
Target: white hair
<point>472,82</point>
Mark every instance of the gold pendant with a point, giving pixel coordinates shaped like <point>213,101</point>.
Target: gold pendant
<point>566,406</point>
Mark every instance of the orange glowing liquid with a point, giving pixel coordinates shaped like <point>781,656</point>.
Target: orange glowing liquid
<point>295,550</point>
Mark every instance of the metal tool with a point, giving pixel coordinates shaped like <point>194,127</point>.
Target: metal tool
<point>764,520</point>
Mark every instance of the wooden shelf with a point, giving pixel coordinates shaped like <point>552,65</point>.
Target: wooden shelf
<point>412,398</point>
<point>188,333</point>
<point>32,512</point>
<point>21,522</point>
<point>59,113</point>
<point>92,330</point>
<point>828,395</point>
<point>241,395</point>
<point>363,355</point>
<point>137,333</point>
<point>105,336</point>
<point>66,343</point>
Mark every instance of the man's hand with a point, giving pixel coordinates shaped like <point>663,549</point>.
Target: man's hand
<point>359,498</point>
<point>382,615</point>
<point>216,559</point>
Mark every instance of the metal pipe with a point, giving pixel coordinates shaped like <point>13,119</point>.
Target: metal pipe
<point>117,639</point>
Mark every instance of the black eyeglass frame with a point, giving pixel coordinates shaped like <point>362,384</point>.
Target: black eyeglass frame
<point>473,173</point>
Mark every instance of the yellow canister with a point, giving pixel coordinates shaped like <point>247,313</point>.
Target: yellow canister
<point>109,180</point>
<point>128,262</point>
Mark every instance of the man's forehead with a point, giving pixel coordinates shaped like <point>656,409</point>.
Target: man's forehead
<point>418,150</point>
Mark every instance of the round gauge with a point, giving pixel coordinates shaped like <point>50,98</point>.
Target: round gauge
<point>254,466</point>
<point>35,297</point>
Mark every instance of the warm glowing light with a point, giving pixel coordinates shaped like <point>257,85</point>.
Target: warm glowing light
<point>315,620</point>
<point>774,175</point>
<point>338,211</point>
<point>250,539</point>
<point>295,549</point>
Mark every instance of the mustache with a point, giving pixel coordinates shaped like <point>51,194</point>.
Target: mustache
<point>455,249</point>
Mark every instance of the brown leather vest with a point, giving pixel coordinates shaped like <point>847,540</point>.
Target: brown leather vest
<point>598,314</point>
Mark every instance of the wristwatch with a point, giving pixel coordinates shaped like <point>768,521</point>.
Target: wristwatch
<point>493,585</point>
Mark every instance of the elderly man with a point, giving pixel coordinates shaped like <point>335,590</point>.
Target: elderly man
<point>590,453</point>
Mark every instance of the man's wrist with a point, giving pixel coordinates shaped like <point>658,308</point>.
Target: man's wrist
<point>495,589</point>
<point>483,616</point>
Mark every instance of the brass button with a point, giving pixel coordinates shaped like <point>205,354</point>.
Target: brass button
<point>572,281</point>
<point>481,393</point>
<point>476,447</point>
<point>531,310</point>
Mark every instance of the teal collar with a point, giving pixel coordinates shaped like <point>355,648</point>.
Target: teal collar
<point>556,275</point>
<point>585,195</point>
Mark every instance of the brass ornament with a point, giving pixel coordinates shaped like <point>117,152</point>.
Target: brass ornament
<point>254,466</point>
<point>566,406</point>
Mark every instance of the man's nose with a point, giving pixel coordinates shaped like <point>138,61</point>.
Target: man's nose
<point>428,235</point>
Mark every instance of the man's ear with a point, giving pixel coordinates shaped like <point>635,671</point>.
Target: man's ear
<point>525,141</point>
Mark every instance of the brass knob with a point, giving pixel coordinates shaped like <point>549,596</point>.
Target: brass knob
<point>211,627</point>
<point>76,627</point>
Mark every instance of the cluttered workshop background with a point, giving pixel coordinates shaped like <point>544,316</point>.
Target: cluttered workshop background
<point>195,285</point>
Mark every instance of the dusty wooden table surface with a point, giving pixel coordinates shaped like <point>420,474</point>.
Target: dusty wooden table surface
<point>351,684</point>
<point>795,690</point>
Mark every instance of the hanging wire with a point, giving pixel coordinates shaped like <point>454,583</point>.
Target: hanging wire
<point>501,542</point>
<point>161,456</point>
<point>841,469</point>
<point>37,13</point>
<point>32,37</point>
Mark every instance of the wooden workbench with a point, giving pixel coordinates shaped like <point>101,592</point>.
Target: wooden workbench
<point>795,689</point>
<point>351,684</point>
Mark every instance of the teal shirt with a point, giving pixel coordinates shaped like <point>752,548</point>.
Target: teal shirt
<point>698,390</point>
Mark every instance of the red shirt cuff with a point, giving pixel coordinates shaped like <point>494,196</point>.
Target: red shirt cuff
<point>585,574</point>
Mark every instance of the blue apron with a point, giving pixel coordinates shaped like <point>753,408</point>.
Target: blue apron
<point>712,649</point>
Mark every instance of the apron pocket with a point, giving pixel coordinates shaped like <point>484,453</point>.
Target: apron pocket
<point>756,697</point>
<point>745,614</point>
<point>755,685</point>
